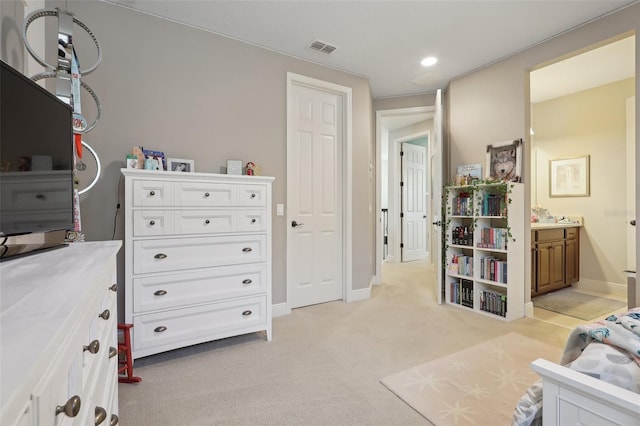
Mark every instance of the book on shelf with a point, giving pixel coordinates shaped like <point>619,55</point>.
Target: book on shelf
<point>461,265</point>
<point>493,238</point>
<point>494,302</point>
<point>494,205</point>
<point>462,235</point>
<point>461,292</point>
<point>493,269</point>
<point>462,204</point>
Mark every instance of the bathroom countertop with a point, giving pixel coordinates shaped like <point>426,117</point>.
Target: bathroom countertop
<point>536,225</point>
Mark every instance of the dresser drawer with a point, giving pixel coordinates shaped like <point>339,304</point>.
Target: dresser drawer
<point>147,223</point>
<point>204,194</point>
<point>183,289</point>
<point>151,193</point>
<point>181,327</point>
<point>174,254</point>
<point>252,196</point>
<point>50,193</point>
<point>252,220</point>
<point>204,221</point>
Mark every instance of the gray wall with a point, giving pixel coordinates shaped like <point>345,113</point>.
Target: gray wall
<point>194,94</point>
<point>492,104</point>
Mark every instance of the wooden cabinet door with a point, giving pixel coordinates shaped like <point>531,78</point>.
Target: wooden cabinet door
<point>544,259</point>
<point>572,259</point>
<point>557,264</point>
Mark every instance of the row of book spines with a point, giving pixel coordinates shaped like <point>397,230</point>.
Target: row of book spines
<point>493,269</point>
<point>462,205</point>
<point>461,293</point>
<point>495,238</point>
<point>461,265</point>
<point>493,205</point>
<point>493,302</point>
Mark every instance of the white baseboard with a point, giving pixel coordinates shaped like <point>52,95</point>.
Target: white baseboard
<point>280,310</point>
<point>528,309</point>
<point>360,294</point>
<point>601,287</point>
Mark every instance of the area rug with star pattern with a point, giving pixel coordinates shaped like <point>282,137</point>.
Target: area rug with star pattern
<point>479,385</point>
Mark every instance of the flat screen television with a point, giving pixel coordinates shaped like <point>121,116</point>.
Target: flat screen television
<point>36,151</point>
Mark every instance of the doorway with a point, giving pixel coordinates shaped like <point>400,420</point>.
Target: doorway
<point>579,108</point>
<point>394,127</point>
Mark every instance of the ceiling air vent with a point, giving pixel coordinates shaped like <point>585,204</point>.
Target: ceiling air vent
<point>323,47</point>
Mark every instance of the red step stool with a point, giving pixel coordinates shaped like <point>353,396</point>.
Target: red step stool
<point>125,360</point>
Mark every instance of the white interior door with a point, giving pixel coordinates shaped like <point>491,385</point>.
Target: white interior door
<point>414,206</point>
<point>631,183</point>
<point>437,172</point>
<point>314,195</point>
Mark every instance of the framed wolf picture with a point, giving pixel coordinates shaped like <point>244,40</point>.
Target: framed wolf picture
<point>504,161</point>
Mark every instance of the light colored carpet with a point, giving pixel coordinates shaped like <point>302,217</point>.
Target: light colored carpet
<point>478,385</point>
<point>578,305</point>
<point>323,366</point>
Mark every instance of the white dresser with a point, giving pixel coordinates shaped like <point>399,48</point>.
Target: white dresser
<point>197,257</point>
<point>58,337</point>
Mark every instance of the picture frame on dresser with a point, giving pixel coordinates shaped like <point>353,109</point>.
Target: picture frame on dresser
<point>180,165</point>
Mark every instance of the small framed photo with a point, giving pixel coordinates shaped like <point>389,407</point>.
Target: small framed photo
<point>569,177</point>
<point>180,165</point>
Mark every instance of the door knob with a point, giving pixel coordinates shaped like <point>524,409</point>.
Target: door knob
<point>295,224</point>
<point>438,223</point>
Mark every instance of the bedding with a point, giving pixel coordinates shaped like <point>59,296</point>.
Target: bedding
<point>608,350</point>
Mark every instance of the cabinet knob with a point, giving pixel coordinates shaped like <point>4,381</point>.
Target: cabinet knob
<point>246,313</point>
<point>253,195</point>
<point>160,293</point>
<point>160,329</point>
<point>247,249</point>
<point>71,408</point>
<point>114,420</point>
<point>152,222</point>
<point>253,220</point>
<point>114,287</point>
<point>152,193</point>
<point>40,197</point>
<point>105,314</point>
<point>207,221</point>
<point>247,281</point>
<point>101,415</point>
<point>112,352</point>
<point>206,195</point>
<point>92,347</point>
<point>160,256</point>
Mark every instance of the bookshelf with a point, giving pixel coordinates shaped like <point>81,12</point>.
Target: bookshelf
<point>484,246</point>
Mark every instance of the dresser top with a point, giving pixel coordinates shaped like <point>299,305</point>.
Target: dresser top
<point>39,294</point>
<point>169,175</point>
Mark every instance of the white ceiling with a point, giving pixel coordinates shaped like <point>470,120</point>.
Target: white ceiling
<point>385,40</point>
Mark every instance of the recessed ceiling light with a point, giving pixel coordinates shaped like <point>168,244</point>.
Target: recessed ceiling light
<point>429,61</point>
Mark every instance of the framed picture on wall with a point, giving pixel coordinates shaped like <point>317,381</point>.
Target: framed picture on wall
<point>180,165</point>
<point>569,177</point>
<point>504,161</point>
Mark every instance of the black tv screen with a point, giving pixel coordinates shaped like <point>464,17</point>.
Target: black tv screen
<point>36,154</point>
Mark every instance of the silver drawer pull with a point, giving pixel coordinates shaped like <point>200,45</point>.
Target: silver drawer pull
<point>152,222</point>
<point>247,249</point>
<point>247,281</point>
<point>207,222</point>
<point>71,408</point>
<point>114,287</point>
<point>253,195</point>
<point>160,256</point>
<point>253,220</point>
<point>105,314</point>
<point>101,415</point>
<point>160,293</point>
<point>247,313</point>
<point>206,195</point>
<point>114,420</point>
<point>92,347</point>
<point>112,352</point>
<point>160,329</point>
<point>152,193</point>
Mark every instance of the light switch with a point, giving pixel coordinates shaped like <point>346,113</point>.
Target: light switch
<point>279,209</point>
